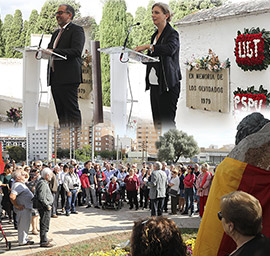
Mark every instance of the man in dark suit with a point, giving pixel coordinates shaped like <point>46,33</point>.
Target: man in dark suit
<point>65,76</point>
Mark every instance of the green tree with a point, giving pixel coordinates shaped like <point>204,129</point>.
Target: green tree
<point>182,8</point>
<point>24,33</point>
<point>6,30</point>
<point>106,154</point>
<point>2,46</point>
<point>46,20</point>
<point>14,36</point>
<point>84,154</point>
<point>31,27</point>
<point>16,153</point>
<point>174,144</point>
<point>142,34</point>
<point>62,153</point>
<point>112,32</point>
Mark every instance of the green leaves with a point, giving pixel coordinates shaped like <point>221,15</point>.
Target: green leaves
<point>174,144</point>
<point>112,32</point>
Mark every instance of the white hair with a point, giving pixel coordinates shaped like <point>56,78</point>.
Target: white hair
<point>158,165</point>
<point>45,172</point>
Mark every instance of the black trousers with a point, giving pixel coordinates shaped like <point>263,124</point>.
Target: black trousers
<point>157,206</point>
<point>66,103</point>
<point>164,106</point>
<point>44,223</point>
<point>132,197</point>
<point>63,196</point>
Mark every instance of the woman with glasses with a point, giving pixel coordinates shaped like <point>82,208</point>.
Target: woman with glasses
<point>241,217</point>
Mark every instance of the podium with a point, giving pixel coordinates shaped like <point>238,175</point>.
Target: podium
<point>119,81</point>
<point>31,82</point>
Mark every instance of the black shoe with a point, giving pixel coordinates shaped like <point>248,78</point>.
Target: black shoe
<point>27,243</point>
<point>97,207</point>
<point>88,206</point>
<point>184,213</point>
<point>74,212</point>
<point>46,245</point>
<point>130,207</point>
<point>67,214</point>
<point>172,213</point>
<point>197,211</point>
<point>137,208</point>
<point>166,210</point>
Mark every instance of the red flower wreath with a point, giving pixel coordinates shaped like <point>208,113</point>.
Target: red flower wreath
<point>252,49</point>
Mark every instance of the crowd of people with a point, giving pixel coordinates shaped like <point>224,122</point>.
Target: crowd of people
<point>41,191</point>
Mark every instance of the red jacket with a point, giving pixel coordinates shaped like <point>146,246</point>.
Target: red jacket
<point>85,181</point>
<point>189,180</point>
<point>132,184</point>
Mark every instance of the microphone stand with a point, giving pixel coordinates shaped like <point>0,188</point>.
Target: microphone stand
<point>126,40</point>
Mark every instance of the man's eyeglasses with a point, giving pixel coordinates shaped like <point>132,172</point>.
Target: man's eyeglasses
<point>219,214</point>
<point>60,13</point>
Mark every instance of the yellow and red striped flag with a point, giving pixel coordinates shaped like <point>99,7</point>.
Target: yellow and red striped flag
<point>231,175</point>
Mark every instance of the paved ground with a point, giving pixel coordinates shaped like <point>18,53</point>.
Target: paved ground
<point>89,223</point>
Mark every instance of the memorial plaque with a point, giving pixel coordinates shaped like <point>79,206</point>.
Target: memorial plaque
<point>208,90</point>
<point>86,86</point>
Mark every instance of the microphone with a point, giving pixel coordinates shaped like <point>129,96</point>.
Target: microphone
<point>125,43</point>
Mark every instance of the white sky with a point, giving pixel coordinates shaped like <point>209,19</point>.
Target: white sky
<point>88,7</point>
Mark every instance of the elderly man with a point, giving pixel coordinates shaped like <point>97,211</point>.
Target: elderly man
<point>21,198</point>
<point>158,184</point>
<point>45,198</point>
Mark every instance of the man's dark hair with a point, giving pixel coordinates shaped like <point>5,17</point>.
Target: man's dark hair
<point>69,9</point>
<point>87,162</point>
<point>65,167</point>
<point>70,166</point>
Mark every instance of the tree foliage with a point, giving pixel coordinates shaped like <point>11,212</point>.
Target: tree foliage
<point>106,154</point>
<point>112,32</point>
<point>142,34</point>
<point>2,46</point>
<point>31,27</point>
<point>174,144</point>
<point>46,20</point>
<point>62,153</point>
<point>16,153</point>
<point>14,36</point>
<point>6,30</point>
<point>84,154</point>
<point>182,8</point>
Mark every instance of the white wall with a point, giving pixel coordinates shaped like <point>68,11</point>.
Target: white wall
<point>11,78</point>
<point>197,39</point>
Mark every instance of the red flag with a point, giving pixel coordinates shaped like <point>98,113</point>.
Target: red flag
<point>2,164</point>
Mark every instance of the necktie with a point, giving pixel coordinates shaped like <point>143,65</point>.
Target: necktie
<point>55,44</point>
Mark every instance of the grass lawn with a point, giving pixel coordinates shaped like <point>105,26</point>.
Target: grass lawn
<point>103,243</point>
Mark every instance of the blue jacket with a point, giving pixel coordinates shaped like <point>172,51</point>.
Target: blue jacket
<point>168,69</point>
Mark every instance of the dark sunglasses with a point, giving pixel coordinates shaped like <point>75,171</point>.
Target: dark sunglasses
<point>60,13</point>
<point>219,214</point>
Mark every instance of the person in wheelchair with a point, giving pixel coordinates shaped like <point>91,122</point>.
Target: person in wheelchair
<point>112,188</point>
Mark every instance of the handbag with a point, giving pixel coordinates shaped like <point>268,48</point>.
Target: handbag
<point>173,193</point>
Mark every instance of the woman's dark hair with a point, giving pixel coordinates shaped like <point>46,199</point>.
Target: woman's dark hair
<point>157,236</point>
<point>7,166</point>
